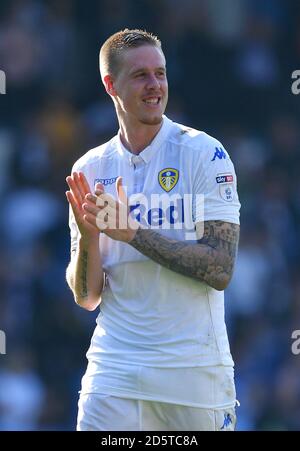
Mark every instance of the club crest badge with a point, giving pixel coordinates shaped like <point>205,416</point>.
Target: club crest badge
<point>168,178</point>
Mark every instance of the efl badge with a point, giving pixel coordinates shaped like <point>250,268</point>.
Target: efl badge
<point>168,178</point>
<point>225,182</point>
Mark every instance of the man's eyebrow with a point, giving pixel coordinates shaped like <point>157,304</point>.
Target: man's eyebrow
<point>145,69</point>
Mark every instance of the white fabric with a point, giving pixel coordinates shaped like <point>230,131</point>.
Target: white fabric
<point>100,412</point>
<point>194,387</point>
<point>151,316</point>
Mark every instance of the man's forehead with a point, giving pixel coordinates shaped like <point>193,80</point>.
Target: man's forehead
<point>143,57</point>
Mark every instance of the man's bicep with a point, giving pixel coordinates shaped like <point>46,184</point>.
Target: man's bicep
<point>220,235</point>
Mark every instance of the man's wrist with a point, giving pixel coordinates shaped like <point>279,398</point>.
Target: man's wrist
<point>132,234</point>
<point>87,241</point>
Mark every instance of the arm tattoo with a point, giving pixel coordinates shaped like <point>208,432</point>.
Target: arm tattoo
<point>83,275</point>
<point>210,260</point>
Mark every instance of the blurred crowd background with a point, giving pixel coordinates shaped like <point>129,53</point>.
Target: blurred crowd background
<point>229,67</point>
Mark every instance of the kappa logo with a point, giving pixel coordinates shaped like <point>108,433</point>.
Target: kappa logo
<point>219,153</point>
<point>168,178</point>
<point>227,421</point>
<point>106,182</point>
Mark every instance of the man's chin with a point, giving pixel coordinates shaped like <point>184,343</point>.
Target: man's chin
<point>154,120</point>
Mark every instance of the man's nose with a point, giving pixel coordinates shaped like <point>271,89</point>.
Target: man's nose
<point>153,82</point>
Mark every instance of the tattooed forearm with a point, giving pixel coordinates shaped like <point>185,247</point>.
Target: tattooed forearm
<point>210,260</point>
<point>83,275</point>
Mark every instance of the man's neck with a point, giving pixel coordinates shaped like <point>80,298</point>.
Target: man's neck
<point>136,139</point>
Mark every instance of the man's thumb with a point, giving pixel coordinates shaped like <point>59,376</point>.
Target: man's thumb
<point>120,190</point>
<point>99,189</point>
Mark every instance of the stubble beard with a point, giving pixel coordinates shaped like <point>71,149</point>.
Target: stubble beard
<point>153,121</point>
<point>157,118</point>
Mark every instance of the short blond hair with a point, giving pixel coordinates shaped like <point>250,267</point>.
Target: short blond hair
<point>109,57</point>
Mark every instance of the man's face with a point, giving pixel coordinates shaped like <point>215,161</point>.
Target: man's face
<point>141,84</point>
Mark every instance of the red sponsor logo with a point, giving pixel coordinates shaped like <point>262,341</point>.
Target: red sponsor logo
<point>225,178</point>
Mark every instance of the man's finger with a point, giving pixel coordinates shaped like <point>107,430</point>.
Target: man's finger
<point>120,191</point>
<point>85,185</point>
<point>73,187</point>
<point>72,202</point>
<point>91,198</point>
<point>79,185</point>
<point>91,208</point>
<point>99,189</point>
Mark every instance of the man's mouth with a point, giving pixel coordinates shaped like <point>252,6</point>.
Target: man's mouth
<point>152,100</point>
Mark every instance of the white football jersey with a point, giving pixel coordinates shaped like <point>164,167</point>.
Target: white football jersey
<point>149,315</point>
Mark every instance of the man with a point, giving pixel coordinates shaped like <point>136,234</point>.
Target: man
<point>159,358</point>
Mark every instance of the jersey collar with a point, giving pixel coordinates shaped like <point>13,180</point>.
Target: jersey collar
<point>153,147</point>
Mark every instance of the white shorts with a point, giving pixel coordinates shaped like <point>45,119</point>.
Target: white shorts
<point>100,412</point>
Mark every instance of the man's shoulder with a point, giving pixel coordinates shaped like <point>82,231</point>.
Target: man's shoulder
<point>193,139</point>
<point>92,156</point>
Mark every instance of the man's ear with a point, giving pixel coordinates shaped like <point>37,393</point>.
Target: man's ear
<point>109,85</point>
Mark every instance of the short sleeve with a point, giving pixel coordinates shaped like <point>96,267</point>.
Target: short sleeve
<point>215,186</point>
